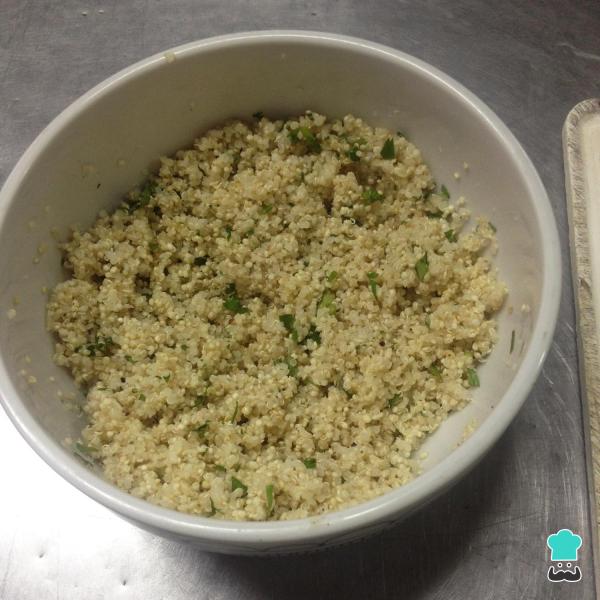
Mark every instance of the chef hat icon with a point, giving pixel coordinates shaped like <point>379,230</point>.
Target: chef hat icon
<point>564,545</point>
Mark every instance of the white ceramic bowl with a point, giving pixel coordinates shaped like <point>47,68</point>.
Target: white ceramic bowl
<point>103,144</point>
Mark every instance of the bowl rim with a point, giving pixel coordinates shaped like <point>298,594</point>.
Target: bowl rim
<point>267,534</point>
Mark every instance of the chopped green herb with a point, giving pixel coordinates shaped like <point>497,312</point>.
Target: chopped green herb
<point>304,134</point>
<point>400,134</point>
<point>436,214</point>
<point>371,195</point>
<point>235,412</point>
<point>422,267</point>
<point>395,399</point>
<point>372,277</point>
<point>269,494</point>
<point>200,400</point>
<point>292,366</point>
<point>236,484</point>
<point>232,303</point>
<point>472,378</point>
<point>313,334</point>
<point>444,192</point>
<point>166,377</point>
<point>100,345</point>
<point>435,369</point>
<point>388,151</point>
<point>235,163</point>
<point>310,463</point>
<point>213,508</point>
<point>228,231</point>
<point>327,302</point>
<point>153,246</point>
<point>288,321</point>
<point>332,276</point>
<point>184,346</point>
<point>352,153</point>
<point>512,341</point>
<point>85,452</point>
<point>220,468</point>
<point>201,429</point>
<point>146,193</point>
<point>451,236</point>
<point>265,209</point>
<point>493,227</point>
<point>200,261</point>
<point>85,449</point>
<point>258,115</point>
<point>129,359</point>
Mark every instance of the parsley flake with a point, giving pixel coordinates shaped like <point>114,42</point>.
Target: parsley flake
<point>388,151</point>
<point>352,153</point>
<point>288,321</point>
<point>444,192</point>
<point>235,412</point>
<point>232,303</point>
<point>201,429</point>
<point>291,364</point>
<point>236,484</point>
<point>269,492</point>
<point>313,334</point>
<point>512,341</point>
<point>373,285</point>
<point>451,236</point>
<point>327,302</point>
<point>395,399</point>
<point>422,267</point>
<point>258,115</point>
<point>213,509</point>
<point>472,378</point>
<point>100,345</point>
<point>436,214</point>
<point>200,400</point>
<point>200,261</point>
<point>304,134</point>
<point>147,191</point>
<point>371,195</point>
<point>310,463</point>
<point>435,369</point>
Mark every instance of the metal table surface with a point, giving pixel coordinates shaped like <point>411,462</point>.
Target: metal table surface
<point>486,538</point>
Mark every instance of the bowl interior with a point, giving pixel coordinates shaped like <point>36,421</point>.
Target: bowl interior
<point>107,143</point>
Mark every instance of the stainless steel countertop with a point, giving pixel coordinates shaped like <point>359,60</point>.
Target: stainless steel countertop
<point>486,537</point>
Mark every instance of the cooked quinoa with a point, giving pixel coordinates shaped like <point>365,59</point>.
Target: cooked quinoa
<point>271,326</point>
